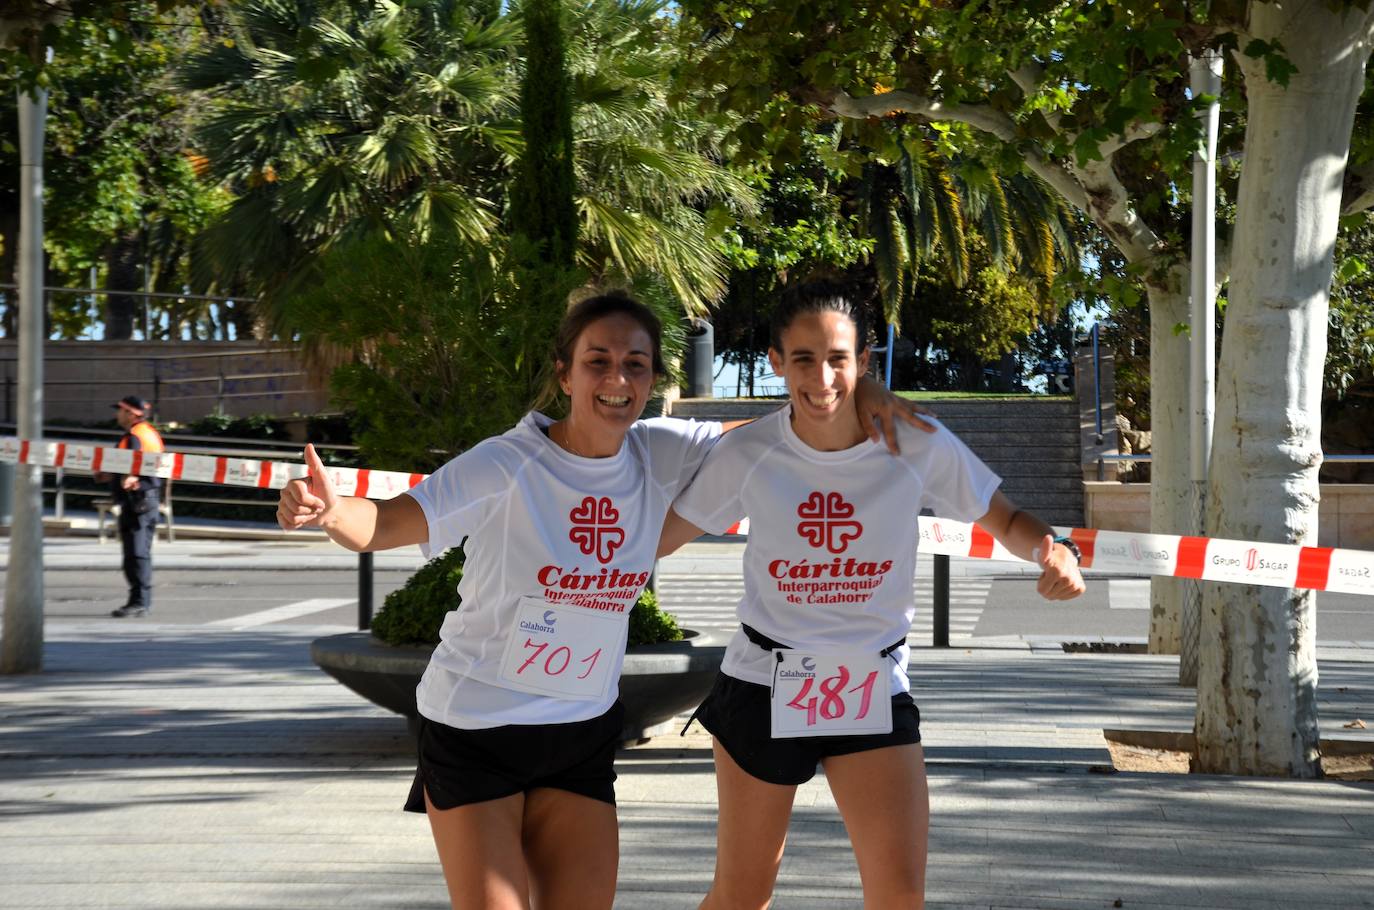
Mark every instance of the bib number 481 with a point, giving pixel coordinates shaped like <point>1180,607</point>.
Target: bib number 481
<point>832,701</point>
<point>818,695</point>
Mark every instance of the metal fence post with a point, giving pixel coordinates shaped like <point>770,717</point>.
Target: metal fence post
<point>940,625</point>
<point>364,591</point>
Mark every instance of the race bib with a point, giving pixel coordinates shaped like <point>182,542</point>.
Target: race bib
<point>561,651</point>
<point>830,695</point>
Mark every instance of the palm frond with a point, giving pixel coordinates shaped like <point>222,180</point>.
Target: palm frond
<point>401,149</point>
<point>447,210</point>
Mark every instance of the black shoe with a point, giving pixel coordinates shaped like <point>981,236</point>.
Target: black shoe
<point>130,610</point>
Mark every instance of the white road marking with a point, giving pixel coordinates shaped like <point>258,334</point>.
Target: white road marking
<point>282,613</point>
<point>1128,593</point>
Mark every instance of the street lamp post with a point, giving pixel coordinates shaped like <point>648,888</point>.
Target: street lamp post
<point>21,637</point>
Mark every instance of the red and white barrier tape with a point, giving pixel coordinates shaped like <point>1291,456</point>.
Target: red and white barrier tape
<point>1208,558</point>
<point>222,469</point>
<point>1274,565</point>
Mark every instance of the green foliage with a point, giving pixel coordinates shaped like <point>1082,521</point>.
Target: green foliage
<point>443,353</point>
<point>254,426</point>
<point>1010,87</point>
<point>120,190</point>
<point>332,120</point>
<point>1350,320</point>
<point>542,198</point>
<point>964,326</point>
<point>649,624</point>
<point>414,613</point>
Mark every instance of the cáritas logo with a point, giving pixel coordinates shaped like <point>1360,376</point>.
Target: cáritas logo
<point>827,521</point>
<point>594,528</point>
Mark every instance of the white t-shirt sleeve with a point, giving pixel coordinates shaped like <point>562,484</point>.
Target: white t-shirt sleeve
<point>458,498</point>
<point>957,483</point>
<point>677,449</point>
<point>714,501</point>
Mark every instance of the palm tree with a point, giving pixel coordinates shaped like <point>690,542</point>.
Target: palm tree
<point>333,120</point>
<point>648,165</point>
<point>923,205</point>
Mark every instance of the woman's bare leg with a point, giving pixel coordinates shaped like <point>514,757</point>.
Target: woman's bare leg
<point>572,847</point>
<point>750,838</point>
<point>480,851</point>
<point>885,802</point>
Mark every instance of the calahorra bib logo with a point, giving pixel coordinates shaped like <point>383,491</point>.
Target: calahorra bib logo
<point>594,528</point>
<point>828,521</point>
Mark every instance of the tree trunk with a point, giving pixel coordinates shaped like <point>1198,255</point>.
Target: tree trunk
<point>1169,502</point>
<point>124,270</point>
<point>1257,675</point>
<point>9,272</point>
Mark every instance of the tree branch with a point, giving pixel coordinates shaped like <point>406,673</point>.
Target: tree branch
<point>1357,193</point>
<point>1093,189</point>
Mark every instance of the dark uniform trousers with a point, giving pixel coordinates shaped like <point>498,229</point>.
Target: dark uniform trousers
<point>136,532</point>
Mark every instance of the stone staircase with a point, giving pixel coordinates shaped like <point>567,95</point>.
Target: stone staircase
<point>1032,443</point>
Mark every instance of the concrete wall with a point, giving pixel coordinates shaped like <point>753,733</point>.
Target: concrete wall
<point>1346,515</point>
<point>181,378</point>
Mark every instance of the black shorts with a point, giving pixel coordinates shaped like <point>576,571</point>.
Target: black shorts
<point>737,715</point>
<point>460,767</point>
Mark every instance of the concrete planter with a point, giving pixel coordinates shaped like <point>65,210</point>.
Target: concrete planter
<point>659,681</point>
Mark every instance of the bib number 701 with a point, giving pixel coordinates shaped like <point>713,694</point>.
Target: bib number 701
<point>818,695</point>
<point>565,652</point>
<point>557,661</point>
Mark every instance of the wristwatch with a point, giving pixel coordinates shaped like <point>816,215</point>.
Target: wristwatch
<point>1071,547</point>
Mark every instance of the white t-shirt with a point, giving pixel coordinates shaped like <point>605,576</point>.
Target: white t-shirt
<point>831,558</point>
<point>540,522</point>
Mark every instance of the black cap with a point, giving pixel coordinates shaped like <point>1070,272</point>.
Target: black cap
<point>133,404</point>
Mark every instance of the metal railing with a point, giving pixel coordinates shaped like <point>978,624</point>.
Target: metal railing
<point>1102,458</point>
<point>248,448</point>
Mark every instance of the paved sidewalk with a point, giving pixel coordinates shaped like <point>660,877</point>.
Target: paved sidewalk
<point>164,766</point>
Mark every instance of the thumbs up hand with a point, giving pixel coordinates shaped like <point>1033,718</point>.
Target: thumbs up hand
<point>310,501</point>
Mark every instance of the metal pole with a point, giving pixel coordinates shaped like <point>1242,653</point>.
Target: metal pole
<point>59,494</point>
<point>1097,380</point>
<point>21,639</point>
<point>940,626</point>
<point>1205,80</point>
<point>364,590</point>
<point>887,369</point>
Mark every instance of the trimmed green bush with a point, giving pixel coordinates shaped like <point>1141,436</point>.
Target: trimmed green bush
<point>413,613</point>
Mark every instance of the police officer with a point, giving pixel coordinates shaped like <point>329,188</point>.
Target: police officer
<point>137,498</point>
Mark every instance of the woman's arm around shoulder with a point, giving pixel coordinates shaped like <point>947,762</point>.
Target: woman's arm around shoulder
<point>676,532</point>
<point>358,524</point>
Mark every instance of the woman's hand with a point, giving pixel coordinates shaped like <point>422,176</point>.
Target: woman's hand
<point>310,501</point>
<point>876,405</point>
<point>1060,578</point>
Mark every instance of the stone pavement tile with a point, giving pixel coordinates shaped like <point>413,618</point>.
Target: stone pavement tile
<point>215,895</point>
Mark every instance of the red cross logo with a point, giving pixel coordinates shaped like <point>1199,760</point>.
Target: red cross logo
<point>594,529</point>
<point>823,522</point>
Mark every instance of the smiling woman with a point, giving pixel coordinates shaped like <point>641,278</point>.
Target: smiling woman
<point>519,708</point>
<point>828,603</point>
<point>607,355</point>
